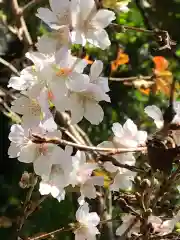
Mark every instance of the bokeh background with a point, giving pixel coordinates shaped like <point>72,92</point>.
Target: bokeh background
<point>127,101</point>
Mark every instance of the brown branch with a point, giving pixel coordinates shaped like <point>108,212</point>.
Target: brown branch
<point>30,5</point>
<point>23,32</point>
<point>10,66</point>
<point>111,151</point>
<point>131,79</point>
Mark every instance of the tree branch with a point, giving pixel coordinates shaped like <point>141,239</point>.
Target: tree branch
<point>111,151</point>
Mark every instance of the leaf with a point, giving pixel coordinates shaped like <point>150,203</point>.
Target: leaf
<point>161,64</point>
<point>121,59</point>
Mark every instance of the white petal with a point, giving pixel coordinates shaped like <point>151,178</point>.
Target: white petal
<point>106,144</point>
<point>86,7</point>
<point>88,190</point>
<point>97,180</point>
<point>16,134</point>
<point>59,6</point>
<point>44,188</point>
<point>110,167</point>
<point>130,128</point>
<point>93,218</point>
<point>98,38</point>
<point>82,212</point>
<point>13,150</point>
<point>46,44</point>
<point>96,69</point>
<point>103,18</point>
<point>77,82</point>
<point>141,137</point>
<point>77,37</point>
<point>155,113</point>
<point>118,130</point>
<point>61,195</point>
<point>28,153</point>
<point>77,109</point>
<point>42,165</point>
<point>48,17</point>
<point>93,112</point>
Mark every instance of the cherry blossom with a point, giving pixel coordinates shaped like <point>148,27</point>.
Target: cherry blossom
<point>43,156</point>
<point>128,134</point>
<point>82,17</point>
<point>34,111</point>
<point>122,177</point>
<point>87,229</point>
<point>81,175</point>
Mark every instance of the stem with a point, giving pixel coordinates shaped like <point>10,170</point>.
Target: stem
<point>111,151</point>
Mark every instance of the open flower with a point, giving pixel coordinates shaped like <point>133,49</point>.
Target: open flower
<point>58,178</point>
<point>84,99</point>
<point>122,177</point>
<point>128,134</point>
<point>42,155</point>
<point>81,176</point>
<point>34,111</point>
<point>88,222</point>
<point>87,23</point>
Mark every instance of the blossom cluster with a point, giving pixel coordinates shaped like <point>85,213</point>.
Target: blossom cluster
<point>58,79</point>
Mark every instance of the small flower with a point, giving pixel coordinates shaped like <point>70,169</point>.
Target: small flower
<point>82,176</point>
<point>84,100</point>
<point>43,155</point>
<point>128,134</point>
<point>122,177</point>
<point>88,23</point>
<point>34,111</point>
<point>88,222</point>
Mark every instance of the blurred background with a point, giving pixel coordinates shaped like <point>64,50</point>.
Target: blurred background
<point>132,54</point>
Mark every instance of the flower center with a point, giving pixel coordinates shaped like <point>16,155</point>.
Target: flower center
<point>63,72</point>
<point>34,108</point>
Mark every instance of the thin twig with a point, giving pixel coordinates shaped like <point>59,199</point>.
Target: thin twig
<point>10,66</point>
<point>39,139</point>
<point>23,32</point>
<point>147,78</point>
<point>30,4</point>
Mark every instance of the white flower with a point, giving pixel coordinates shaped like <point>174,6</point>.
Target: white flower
<point>85,96</point>
<point>123,178</point>
<point>66,76</point>
<point>128,219</point>
<point>155,113</point>
<point>58,178</point>
<point>43,156</point>
<point>128,134</point>
<point>81,176</point>
<point>88,222</point>
<point>34,111</point>
<point>88,23</point>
